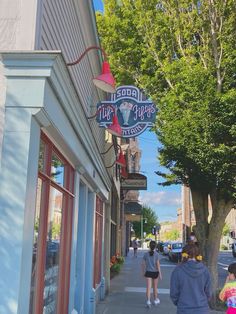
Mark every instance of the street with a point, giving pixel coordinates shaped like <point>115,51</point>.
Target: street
<point>225,258</point>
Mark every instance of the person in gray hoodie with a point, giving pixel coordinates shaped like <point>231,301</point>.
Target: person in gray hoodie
<point>190,283</point>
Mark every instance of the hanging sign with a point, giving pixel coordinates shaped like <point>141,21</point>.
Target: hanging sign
<point>135,113</point>
<point>135,181</point>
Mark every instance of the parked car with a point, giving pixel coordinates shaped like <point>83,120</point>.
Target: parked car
<point>175,250</point>
<point>52,255</point>
<point>234,249</point>
<point>165,248</point>
<point>159,247</point>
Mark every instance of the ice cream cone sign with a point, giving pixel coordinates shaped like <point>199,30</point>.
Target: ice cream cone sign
<point>134,111</point>
<point>125,109</point>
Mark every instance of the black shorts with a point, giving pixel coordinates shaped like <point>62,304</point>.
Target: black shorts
<point>152,274</point>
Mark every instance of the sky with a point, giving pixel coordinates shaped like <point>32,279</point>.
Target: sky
<point>98,5</point>
<point>163,200</point>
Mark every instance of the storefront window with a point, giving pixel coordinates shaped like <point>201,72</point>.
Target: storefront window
<point>35,248</point>
<point>57,170</point>
<point>113,239</point>
<point>52,251</point>
<point>42,156</point>
<point>52,232</point>
<point>114,221</point>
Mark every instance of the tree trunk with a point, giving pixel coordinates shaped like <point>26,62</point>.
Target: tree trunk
<point>200,206</point>
<point>209,230</point>
<point>213,244</point>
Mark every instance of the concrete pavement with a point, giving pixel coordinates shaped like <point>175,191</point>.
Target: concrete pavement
<point>127,293</point>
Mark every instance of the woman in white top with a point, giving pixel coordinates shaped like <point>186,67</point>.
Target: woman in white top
<point>152,271</point>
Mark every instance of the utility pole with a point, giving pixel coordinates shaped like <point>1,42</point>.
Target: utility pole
<point>145,221</point>
<point>141,231</point>
<point>158,228</point>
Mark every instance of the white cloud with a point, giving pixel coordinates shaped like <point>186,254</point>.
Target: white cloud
<point>161,198</point>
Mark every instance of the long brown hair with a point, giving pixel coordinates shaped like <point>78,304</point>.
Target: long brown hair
<point>152,246</point>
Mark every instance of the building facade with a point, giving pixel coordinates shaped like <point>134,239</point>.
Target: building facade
<point>132,210</point>
<point>59,202</point>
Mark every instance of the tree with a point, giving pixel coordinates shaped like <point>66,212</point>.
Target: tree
<point>172,235</point>
<point>182,54</point>
<point>226,230</point>
<point>150,220</point>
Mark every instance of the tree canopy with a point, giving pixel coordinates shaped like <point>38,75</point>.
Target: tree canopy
<point>172,235</point>
<point>149,220</point>
<point>182,54</point>
<point>226,230</point>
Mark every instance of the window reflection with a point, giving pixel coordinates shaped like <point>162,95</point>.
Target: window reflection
<point>36,230</point>
<point>57,170</point>
<point>41,156</point>
<point>52,251</point>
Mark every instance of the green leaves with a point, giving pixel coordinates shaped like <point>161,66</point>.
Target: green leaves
<point>150,219</point>
<point>182,54</point>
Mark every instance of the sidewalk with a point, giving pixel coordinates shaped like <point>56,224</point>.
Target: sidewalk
<point>127,293</point>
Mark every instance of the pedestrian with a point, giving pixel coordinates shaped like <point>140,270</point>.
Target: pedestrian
<point>192,238</point>
<point>228,293</point>
<point>190,283</point>
<point>152,271</point>
<point>135,246</point>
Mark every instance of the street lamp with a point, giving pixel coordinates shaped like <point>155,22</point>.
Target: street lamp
<point>142,220</point>
<point>104,81</point>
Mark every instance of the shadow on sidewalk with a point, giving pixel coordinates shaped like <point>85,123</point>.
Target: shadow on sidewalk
<point>127,293</point>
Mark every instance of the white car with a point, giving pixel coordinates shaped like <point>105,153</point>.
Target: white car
<point>234,249</point>
<point>175,250</point>
<point>165,248</point>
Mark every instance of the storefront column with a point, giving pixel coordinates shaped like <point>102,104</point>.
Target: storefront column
<point>18,180</point>
<point>107,246</point>
<point>89,293</point>
<point>2,106</point>
<point>81,248</point>
<point>74,271</point>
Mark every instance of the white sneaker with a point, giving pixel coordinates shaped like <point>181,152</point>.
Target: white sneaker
<point>156,302</point>
<point>149,304</point>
